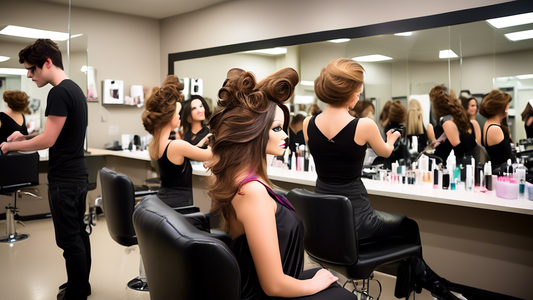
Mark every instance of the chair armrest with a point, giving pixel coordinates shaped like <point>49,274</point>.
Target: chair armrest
<point>139,194</point>
<point>199,220</point>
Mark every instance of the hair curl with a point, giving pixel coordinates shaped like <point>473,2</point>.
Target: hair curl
<point>444,105</point>
<point>338,81</point>
<point>16,100</point>
<point>493,104</point>
<point>160,109</point>
<point>241,127</point>
<point>37,53</point>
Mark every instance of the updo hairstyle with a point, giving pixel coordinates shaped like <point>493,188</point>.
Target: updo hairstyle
<point>338,81</point>
<point>397,112</point>
<point>240,129</point>
<point>494,104</point>
<point>16,100</point>
<point>444,105</point>
<point>160,109</point>
<point>363,107</point>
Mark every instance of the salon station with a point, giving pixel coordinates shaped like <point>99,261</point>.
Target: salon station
<point>474,226</point>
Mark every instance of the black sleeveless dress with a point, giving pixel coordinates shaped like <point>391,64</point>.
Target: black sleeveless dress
<point>195,138</point>
<point>9,126</point>
<point>290,238</point>
<point>498,153</point>
<point>176,181</point>
<point>339,162</point>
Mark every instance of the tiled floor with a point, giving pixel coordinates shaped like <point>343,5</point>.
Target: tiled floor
<point>34,268</point>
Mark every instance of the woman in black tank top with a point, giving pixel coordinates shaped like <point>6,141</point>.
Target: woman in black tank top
<point>13,118</point>
<point>496,137</point>
<point>160,117</point>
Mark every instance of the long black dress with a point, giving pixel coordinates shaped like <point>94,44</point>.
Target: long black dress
<point>338,165</point>
<point>290,238</point>
<point>176,181</point>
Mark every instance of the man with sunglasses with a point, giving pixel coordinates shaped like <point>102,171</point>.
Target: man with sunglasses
<point>64,134</point>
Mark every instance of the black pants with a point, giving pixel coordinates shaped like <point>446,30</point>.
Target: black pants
<point>67,205</point>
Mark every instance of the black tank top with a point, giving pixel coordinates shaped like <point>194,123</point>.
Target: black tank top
<point>175,176</point>
<point>498,153</point>
<point>9,126</point>
<point>338,160</point>
<point>529,129</point>
<point>464,148</point>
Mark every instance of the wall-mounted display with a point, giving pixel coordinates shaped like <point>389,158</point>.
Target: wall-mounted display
<point>113,91</point>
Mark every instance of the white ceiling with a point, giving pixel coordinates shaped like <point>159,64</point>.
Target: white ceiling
<point>157,9</point>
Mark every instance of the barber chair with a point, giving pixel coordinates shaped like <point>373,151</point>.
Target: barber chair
<point>182,261</point>
<point>331,239</point>
<point>17,171</point>
<point>94,165</point>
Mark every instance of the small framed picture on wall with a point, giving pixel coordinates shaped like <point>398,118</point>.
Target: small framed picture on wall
<point>113,91</point>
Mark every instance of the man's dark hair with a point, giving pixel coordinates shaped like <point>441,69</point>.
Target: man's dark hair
<point>39,52</point>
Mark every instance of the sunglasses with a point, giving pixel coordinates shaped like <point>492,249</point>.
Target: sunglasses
<point>32,70</point>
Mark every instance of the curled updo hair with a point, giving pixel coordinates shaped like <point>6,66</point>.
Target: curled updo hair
<point>397,112</point>
<point>240,129</point>
<point>160,109</point>
<point>338,81</point>
<point>16,100</point>
<point>494,104</point>
<point>444,105</point>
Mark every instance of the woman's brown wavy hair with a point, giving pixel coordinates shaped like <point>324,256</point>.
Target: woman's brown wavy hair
<point>160,109</point>
<point>397,112</point>
<point>16,100</point>
<point>494,104</point>
<point>240,129</point>
<point>338,81</point>
<point>444,105</point>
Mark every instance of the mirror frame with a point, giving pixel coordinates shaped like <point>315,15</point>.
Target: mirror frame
<point>414,24</point>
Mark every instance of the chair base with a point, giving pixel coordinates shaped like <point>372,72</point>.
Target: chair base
<point>138,284</point>
<point>12,238</point>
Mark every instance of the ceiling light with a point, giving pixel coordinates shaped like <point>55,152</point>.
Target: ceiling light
<point>520,35</point>
<point>35,33</point>
<point>525,76</point>
<point>307,82</point>
<point>403,34</point>
<point>13,71</point>
<point>372,58</point>
<point>511,20</point>
<point>272,51</point>
<point>339,41</point>
<point>4,58</point>
<point>447,54</point>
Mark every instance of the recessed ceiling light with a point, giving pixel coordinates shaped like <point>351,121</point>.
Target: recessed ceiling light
<point>32,33</point>
<point>372,58</point>
<point>519,35</point>
<point>447,54</point>
<point>403,34</point>
<point>511,20</point>
<point>339,41</point>
<point>13,71</point>
<point>4,58</point>
<point>307,82</point>
<point>272,51</point>
<point>525,76</point>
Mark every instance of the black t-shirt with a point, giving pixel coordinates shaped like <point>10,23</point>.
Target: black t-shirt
<point>67,165</point>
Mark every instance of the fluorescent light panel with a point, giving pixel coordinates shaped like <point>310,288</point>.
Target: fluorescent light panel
<point>13,71</point>
<point>511,20</point>
<point>339,41</point>
<point>519,35</point>
<point>525,76</point>
<point>403,34</point>
<point>32,33</point>
<point>4,58</point>
<point>272,51</point>
<point>372,58</point>
<point>307,82</point>
<point>447,54</point>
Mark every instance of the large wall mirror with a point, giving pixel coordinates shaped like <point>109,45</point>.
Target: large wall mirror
<point>14,77</point>
<point>485,59</point>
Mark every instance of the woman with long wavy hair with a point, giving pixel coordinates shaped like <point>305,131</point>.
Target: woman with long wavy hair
<point>161,116</point>
<point>267,235</point>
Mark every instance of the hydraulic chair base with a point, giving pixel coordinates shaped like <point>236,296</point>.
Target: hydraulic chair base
<point>11,235</point>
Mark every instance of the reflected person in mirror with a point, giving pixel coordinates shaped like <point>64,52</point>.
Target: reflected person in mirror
<point>470,105</point>
<point>415,128</point>
<point>267,234</point>
<point>194,115</point>
<point>527,118</point>
<point>64,134</point>
<point>12,119</point>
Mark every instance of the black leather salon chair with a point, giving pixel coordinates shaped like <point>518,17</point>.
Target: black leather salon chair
<point>331,238</point>
<point>118,203</point>
<point>17,171</point>
<point>182,261</point>
<point>94,164</point>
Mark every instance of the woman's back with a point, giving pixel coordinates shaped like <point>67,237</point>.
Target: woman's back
<point>8,125</point>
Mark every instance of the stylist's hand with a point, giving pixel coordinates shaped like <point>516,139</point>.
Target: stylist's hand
<point>4,147</point>
<point>393,136</point>
<point>322,279</point>
<point>16,137</point>
<point>203,141</point>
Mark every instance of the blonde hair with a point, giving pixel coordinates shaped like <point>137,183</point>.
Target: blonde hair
<point>338,81</point>
<point>415,124</point>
